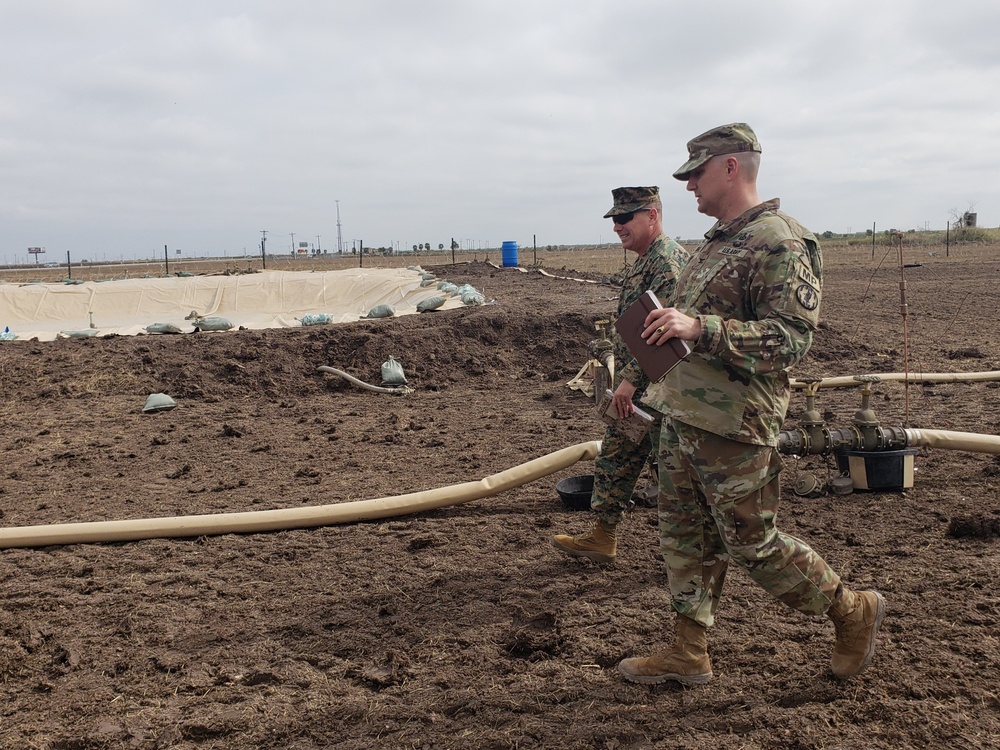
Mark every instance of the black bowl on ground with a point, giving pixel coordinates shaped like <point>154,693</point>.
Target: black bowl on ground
<point>575,491</point>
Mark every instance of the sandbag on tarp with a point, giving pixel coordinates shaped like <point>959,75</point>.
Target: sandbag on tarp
<point>381,311</point>
<point>163,328</point>
<point>432,303</point>
<point>212,323</point>
<point>315,319</point>
<point>86,333</point>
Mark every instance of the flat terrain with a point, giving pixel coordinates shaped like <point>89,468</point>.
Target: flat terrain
<point>462,627</point>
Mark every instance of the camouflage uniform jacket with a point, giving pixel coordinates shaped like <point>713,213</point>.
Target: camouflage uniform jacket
<point>656,270</point>
<point>754,284</point>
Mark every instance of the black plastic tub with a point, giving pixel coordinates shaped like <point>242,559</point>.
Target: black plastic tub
<point>576,491</point>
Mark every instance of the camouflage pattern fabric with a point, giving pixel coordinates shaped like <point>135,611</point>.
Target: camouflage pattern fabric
<point>620,464</point>
<point>734,138</point>
<point>656,270</point>
<point>629,199</point>
<point>717,504</point>
<point>754,284</point>
<point>617,470</point>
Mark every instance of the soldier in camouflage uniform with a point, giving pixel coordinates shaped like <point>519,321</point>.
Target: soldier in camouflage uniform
<point>748,300</point>
<point>637,213</point>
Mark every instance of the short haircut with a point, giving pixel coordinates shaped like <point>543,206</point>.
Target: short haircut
<point>749,162</point>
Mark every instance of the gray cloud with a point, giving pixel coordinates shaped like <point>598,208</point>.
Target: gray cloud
<point>129,126</point>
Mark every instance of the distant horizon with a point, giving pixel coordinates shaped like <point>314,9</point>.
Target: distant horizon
<point>465,245</point>
<point>46,260</point>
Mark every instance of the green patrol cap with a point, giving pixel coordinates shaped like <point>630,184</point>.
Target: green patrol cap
<point>629,199</point>
<point>725,139</point>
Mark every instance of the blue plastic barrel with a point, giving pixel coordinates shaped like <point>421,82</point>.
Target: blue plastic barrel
<point>508,253</point>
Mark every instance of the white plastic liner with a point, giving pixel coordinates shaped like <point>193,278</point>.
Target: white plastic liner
<point>271,299</point>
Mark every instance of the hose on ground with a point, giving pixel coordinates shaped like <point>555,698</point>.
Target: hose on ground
<point>396,390</point>
<point>297,518</point>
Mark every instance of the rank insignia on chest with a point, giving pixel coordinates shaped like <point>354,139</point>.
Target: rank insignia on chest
<point>807,296</point>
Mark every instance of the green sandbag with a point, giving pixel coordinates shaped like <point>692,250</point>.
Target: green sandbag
<point>213,323</point>
<point>316,319</point>
<point>162,328</point>
<point>86,333</point>
<point>392,372</point>
<point>381,311</point>
<point>430,304</point>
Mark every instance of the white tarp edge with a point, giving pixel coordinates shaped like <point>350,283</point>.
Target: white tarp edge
<point>271,299</point>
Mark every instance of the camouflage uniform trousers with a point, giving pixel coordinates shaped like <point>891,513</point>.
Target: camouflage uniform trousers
<point>718,502</point>
<point>618,468</point>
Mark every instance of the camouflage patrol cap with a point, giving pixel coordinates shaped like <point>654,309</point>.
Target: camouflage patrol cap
<point>725,139</point>
<point>629,199</point>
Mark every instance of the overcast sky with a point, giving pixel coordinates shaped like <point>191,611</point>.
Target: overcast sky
<point>126,126</point>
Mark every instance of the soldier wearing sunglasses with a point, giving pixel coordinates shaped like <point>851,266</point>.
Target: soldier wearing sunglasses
<point>637,215</point>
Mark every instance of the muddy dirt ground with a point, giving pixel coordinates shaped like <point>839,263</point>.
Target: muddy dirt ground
<point>462,627</point>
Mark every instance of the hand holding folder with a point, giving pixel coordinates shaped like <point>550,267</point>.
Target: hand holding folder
<point>656,360</point>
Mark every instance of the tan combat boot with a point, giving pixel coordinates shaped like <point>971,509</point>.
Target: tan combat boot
<point>686,661</point>
<point>856,617</point>
<point>598,545</point>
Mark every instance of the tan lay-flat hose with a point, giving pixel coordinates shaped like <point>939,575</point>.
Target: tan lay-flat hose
<point>297,518</point>
<point>973,442</point>
<point>850,381</point>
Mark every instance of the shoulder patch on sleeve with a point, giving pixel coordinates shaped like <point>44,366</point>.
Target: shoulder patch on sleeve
<point>806,275</point>
<point>807,296</point>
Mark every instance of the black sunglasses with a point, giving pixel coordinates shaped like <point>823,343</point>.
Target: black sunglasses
<point>625,218</point>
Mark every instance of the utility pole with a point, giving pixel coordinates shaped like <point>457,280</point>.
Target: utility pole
<point>293,242</point>
<point>263,242</point>
<point>318,248</point>
<point>340,242</point>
